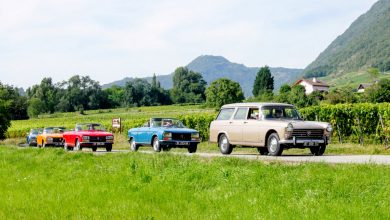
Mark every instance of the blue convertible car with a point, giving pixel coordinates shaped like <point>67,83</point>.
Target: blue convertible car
<point>31,138</point>
<point>164,134</point>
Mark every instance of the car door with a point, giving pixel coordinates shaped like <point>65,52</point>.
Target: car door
<point>252,128</point>
<point>236,125</point>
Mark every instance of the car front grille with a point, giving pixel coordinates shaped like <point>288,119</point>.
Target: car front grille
<point>181,136</point>
<point>97,139</point>
<point>308,133</point>
<point>57,140</point>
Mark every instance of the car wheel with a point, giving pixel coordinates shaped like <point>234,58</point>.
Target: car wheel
<point>108,148</point>
<point>156,144</point>
<point>133,145</point>
<point>192,148</point>
<point>166,149</point>
<point>66,147</point>
<point>224,146</point>
<point>318,151</point>
<point>77,146</point>
<point>273,145</point>
<point>94,149</point>
<point>262,150</point>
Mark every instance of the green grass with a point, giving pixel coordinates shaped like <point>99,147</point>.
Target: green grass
<point>352,79</point>
<point>130,117</point>
<point>53,184</point>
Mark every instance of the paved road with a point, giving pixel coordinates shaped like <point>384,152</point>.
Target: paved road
<point>331,159</point>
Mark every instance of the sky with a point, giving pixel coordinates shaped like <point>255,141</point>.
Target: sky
<point>112,39</point>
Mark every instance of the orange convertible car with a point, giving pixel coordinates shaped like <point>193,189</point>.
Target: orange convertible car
<point>51,136</point>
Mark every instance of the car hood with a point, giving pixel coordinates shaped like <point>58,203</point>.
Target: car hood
<point>302,124</point>
<point>52,135</point>
<point>180,130</point>
<point>94,133</point>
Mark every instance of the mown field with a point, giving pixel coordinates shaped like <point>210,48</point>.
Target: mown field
<point>53,184</point>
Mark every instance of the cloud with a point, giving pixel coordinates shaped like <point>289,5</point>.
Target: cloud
<point>113,39</point>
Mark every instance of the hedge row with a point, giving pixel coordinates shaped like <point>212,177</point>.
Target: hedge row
<point>353,122</point>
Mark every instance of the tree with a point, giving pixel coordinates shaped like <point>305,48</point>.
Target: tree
<point>298,96</point>
<point>17,104</point>
<point>46,91</point>
<point>223,91</point>
<point>284,94</point>
<point>35,107</point>
<point>264,81</point>
<point>5,118</point>
<point>188,86</point>
<point>379,92</point>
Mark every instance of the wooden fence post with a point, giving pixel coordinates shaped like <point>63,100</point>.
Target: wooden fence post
<point>385,141</point>
<point>360,132</point>
<point>339,133</point>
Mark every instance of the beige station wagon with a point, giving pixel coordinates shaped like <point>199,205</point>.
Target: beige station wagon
<point>270,127</point>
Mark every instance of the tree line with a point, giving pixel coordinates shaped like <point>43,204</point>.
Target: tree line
<point>81,93</point>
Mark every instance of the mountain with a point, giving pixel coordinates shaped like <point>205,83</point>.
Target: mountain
<point>366,43</point>
<point>215,67</point>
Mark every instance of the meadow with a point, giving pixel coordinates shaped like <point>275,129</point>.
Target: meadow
<point>53,184</point>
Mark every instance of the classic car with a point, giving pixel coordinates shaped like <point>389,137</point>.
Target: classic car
<point>88,135</point>
<point>31,138</point>
<point>270,127</point>
<point>164,134</point>
<point>51,136</point>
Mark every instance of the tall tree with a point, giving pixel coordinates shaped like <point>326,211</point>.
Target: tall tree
<point>264,81</point>
<point>223,91</point>
<point>188,86</point>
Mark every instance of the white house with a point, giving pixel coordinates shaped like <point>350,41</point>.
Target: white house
<point>363,86</point>
<point>313,85</point>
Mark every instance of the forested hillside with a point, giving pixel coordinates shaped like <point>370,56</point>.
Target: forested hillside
<point>366,43</point>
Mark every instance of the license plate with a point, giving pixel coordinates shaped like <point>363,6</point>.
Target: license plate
<point>99,144</point>
<point>182,143</point>
<point>310,144</point>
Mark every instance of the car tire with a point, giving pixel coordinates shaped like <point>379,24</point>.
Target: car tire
<point>318,151</point>
<point>224,146</point>
<point>192,148</point>
<point>94,149</point>
<point>156,144</point>
<point>273,146</point>
<point>133,145</point>
<point>166,149</point>
<point>109,148</point>
<point>66,147</point>
<point>262,150</point>
<point>77,146</point>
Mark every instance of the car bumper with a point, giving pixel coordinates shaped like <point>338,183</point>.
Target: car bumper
<point>178,144</point>
<point>54,143</point>
<point>304,142</point>
<point>95,144</point>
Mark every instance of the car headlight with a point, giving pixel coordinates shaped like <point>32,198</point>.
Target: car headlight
<point>85,138</point>
<point>195,136</point>
<point>110,138</point>
<point>167,136</point>
<point>329,128</point>
<point>288,131</point>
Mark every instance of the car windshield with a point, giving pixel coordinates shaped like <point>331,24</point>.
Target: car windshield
<point>90,127</point>
<point>54,130</point>
<point>166,122</point>
<point>280,112</point>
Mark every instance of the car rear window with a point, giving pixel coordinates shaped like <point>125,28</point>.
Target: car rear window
<point>225,114</point>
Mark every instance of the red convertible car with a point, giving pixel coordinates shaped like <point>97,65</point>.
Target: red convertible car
<point>91,135</point>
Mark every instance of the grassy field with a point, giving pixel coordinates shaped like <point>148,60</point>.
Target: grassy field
<point>52,184</point>
<point>353,79</point>
<point>130,117</point>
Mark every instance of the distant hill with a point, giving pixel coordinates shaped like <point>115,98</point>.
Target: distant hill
<point>215,67</point>
<point>364,44</point>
